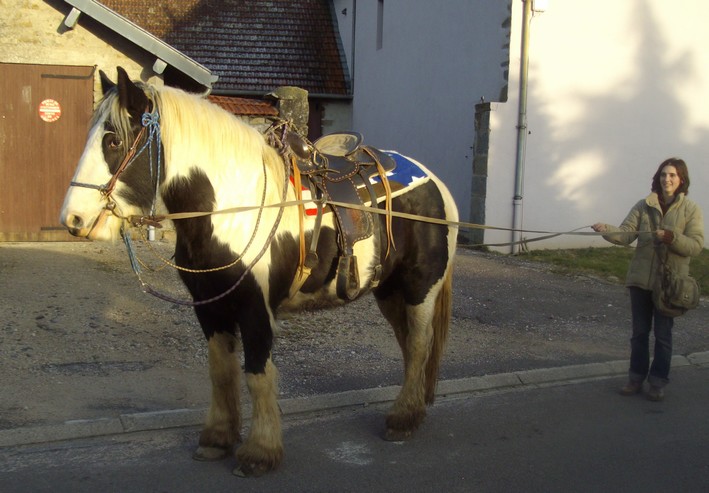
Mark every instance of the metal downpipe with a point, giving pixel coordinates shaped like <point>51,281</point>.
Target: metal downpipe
<point>521,130</point>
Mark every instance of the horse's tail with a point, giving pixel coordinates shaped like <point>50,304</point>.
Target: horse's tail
<point>440,322</point>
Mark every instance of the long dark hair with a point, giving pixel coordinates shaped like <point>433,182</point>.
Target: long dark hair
<point>682,172</point>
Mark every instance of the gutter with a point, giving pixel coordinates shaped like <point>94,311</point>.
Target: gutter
<point>164,53</point>
<point>246,93</point>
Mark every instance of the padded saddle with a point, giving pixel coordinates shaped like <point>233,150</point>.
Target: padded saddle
<point>339,167</point>
<point>338,156</point>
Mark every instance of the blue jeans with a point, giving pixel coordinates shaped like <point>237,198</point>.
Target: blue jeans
<point>644,313</point>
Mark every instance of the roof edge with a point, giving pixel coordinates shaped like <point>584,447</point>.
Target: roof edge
<point>340,49</point>
<point>247,93</point>
<point>166,54</point>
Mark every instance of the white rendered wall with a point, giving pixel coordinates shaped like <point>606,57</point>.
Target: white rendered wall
<point>615,87</point>
<point>417,94</point>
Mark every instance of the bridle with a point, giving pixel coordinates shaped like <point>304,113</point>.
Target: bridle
<point>150,123</point>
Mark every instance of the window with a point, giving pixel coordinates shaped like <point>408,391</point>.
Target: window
<point>380,24</point>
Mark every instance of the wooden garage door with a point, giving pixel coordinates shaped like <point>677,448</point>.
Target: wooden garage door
<point>44,116</point>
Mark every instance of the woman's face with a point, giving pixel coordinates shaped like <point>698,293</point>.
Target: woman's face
<point>669,181</point>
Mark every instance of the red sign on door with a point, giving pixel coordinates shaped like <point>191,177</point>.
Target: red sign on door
<point>49,110</point>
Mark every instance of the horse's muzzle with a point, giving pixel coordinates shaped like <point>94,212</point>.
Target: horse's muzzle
<point>92,229</point>
<point>76,225</point>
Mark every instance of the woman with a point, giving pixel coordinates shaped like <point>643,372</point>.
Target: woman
<point>664,223</point>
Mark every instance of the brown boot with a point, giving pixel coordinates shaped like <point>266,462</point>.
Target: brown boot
<point>655,394</point>
<point>631,388</point>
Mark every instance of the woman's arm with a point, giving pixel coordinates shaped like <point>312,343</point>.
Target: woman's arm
<point>627,232</point>
<point>690,242</point>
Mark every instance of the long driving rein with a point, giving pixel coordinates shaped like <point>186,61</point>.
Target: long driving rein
<point>150,123</point>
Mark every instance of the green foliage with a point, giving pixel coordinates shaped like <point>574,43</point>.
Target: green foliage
<point>610,263</point>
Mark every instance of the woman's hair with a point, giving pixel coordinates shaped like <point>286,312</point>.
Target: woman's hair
<point>682,172</point>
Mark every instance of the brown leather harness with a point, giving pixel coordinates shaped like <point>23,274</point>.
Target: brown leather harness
<point>337,174</point>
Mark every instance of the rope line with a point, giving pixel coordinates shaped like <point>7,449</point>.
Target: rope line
<point>138,220</point>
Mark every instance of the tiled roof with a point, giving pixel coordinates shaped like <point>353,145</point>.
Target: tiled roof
<point>244,106</point>
<point>252,45</point>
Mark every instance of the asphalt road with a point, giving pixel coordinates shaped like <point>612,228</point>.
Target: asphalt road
<point>528,389</point>
<point>578,436</point>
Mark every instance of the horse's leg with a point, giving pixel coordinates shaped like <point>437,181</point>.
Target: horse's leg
<point>409,408</point>
<point>394,310</point>
<point>421,331</point>
<point>223,425</point>
<point>262,450</point>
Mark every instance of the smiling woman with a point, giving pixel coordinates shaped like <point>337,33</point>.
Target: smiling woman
<point>672,178</point>
<point>669,229</point>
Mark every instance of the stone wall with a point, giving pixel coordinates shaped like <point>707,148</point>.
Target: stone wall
<point>33,32</point>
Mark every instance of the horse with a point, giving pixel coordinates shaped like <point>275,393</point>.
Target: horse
<point>155,150</point>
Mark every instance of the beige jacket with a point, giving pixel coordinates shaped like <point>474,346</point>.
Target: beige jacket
<point>684,218</point>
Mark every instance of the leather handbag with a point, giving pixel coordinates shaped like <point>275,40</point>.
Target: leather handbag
<point>673,294</point>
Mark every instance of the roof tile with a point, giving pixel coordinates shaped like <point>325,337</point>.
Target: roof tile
<point>252,45</point>
<point>244,106</point>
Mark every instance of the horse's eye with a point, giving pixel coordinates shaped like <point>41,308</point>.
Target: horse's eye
<point>115,142</point>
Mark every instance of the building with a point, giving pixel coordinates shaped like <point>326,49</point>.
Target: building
<point>51,51</point>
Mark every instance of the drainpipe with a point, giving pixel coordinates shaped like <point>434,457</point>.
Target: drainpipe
<point>354,41</point>
<point>521,130</point>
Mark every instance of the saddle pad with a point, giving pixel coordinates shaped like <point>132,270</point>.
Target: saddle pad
<point>406,176</point>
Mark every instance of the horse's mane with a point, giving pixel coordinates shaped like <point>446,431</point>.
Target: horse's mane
<point>194,132</point>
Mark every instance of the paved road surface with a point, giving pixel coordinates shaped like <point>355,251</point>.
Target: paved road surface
<point>576,436</point>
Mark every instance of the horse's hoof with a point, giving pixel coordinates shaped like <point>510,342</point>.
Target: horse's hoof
<point>249,470</point>
<point>210,453</point>
<point>392,435</point>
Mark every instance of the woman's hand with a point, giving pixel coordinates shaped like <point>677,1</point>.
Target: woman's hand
<point>664,236</point>
<point>599,228</point>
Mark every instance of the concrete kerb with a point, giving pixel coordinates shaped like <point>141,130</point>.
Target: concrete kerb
<point>177,418</point>
<point>699,359</point>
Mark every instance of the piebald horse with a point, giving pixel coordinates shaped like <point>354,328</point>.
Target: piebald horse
<point>158,150</point>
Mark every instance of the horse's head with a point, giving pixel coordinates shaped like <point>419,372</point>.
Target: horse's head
<point>121,166</point>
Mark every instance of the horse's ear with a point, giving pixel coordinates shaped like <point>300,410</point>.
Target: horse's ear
<point>130,96</point>
<point>106,83</point>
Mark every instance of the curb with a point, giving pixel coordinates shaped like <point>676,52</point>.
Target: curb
<point>177,418</point>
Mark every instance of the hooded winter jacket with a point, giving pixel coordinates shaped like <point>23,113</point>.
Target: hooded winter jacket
<point>684,218</point>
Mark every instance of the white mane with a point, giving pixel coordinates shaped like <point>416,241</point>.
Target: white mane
<point>197,134</point>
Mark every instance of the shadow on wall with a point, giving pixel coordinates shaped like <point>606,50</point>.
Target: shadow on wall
<point>611,129</point>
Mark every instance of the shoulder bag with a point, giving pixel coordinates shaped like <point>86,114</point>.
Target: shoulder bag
<point>673,294</point>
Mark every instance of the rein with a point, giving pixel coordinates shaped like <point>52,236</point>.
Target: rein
<point>136,220</point>
<point>150,123</point>
<point>135,263</point>
<point>323,202</point>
